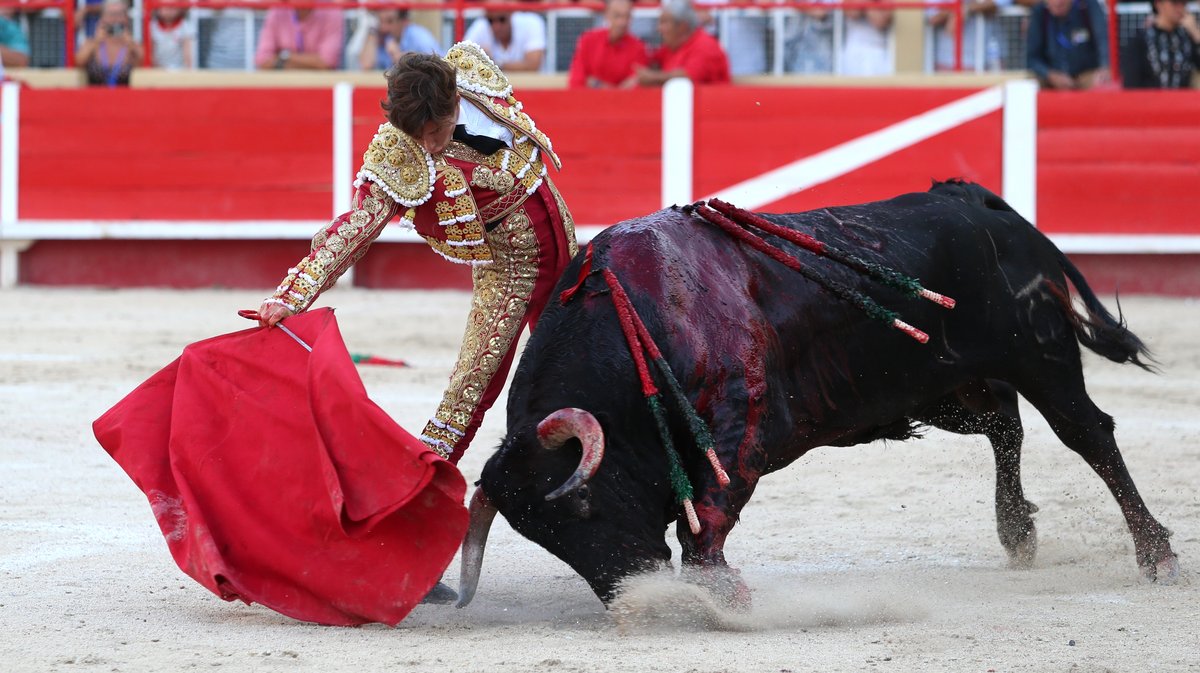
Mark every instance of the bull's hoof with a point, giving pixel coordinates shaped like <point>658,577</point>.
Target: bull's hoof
<point>1166,571</point>
<point>1023,551</point>
<point>725,585</point>
<point>440,594</point>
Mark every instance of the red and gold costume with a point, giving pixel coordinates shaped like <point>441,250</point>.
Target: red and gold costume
<point>498,212</point>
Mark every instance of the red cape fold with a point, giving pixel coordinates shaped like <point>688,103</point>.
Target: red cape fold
<point>276,480</point>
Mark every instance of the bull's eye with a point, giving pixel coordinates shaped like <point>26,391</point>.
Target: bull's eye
<point>582,502</point>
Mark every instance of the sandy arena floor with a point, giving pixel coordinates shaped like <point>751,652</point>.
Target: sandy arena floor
<point>879,558</point>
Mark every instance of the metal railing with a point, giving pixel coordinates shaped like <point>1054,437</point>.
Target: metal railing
<point>761,36</point>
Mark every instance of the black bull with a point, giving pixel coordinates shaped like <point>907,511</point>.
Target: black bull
<point>777,366</point>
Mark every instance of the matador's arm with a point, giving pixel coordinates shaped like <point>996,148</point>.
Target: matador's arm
<point>337,247</point>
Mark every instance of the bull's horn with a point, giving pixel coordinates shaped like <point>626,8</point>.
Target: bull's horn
<point>482,512</point>
<point>564,424</point>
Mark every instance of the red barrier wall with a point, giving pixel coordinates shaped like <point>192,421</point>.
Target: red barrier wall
<point>743,132</point>
<point>1108,163</point>
<point>1119,162</point>
<point>208,154</point>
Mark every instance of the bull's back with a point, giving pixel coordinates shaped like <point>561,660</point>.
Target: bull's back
<point>744,330</point>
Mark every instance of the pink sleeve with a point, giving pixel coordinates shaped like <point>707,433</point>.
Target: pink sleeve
<point>268,39</point>
<point>330,46</point>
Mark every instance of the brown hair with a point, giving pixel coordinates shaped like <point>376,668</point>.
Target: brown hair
<point>421,88</point>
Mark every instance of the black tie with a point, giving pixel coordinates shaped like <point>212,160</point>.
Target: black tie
<point>481,144</point>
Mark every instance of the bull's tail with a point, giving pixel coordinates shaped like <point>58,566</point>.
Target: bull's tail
<point>1098,330</point>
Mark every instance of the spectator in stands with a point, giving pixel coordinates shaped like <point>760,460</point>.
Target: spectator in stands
<point>606,57</point>
<point>1166,53</point>
<point>745,31</point>
<point>303,38</point>
<point>866,48</point>
<point>1067,44</point>
<point>172,37</point>
<point>516,41</point>
<point>14,44</point>
<point>392,36</point>
<point>227,48</point>
<point>808,44</point>
<point>109,56</point>
<point>687,50</point>
<point>976,14</point>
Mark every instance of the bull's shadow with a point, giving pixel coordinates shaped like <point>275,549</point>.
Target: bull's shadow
<point>779,357</point>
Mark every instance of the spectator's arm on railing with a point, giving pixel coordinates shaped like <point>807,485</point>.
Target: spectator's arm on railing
<point>11,58</point>
<point>1035,44</point>
<point>1096,15</point>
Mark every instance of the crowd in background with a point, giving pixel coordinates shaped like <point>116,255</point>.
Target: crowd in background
<point>1066,42</point>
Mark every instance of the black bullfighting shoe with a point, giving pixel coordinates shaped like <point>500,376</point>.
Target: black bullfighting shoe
<point>440,594</point>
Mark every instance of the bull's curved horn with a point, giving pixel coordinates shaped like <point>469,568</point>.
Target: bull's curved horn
<point>482,512</point>
<point>564,424</point>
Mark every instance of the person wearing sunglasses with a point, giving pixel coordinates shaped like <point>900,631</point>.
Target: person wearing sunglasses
<point>1167,53</point>
<point>515,41</point>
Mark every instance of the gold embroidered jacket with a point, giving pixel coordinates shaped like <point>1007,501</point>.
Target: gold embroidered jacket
<point>448,200</point>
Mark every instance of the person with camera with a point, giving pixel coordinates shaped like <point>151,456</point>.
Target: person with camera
<point>109,56</point>
<point>392,36</point>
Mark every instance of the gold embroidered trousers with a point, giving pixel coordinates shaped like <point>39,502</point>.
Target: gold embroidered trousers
<point>530,248</point>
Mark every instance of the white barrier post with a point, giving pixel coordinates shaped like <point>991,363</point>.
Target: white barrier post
<point>343,134</point>
<point>677,122</point>
<point>1019,159</point>
<point>10,115</point>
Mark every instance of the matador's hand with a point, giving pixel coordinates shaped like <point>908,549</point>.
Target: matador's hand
<point>270,313</point>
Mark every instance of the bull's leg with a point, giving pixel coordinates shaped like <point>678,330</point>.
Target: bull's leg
<point>703,555</point>
<point>1000,422</point>
<point>1082,426</point>
<point>718,507</point>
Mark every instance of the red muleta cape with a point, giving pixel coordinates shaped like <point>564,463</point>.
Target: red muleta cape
<point>276,480</point>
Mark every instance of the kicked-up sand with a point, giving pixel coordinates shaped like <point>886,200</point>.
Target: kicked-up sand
<point>875,558</point>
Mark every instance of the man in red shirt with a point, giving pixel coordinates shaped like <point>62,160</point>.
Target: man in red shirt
<point>687,50</point>
<point>606,57</point>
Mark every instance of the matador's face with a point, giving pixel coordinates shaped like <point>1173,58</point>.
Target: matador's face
<point>436,134</point>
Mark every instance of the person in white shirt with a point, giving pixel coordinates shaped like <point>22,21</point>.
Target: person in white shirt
<point>516,41</point>
<point>866,49</point>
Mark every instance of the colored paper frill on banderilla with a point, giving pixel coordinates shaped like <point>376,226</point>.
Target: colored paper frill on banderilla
<point>276,480</point>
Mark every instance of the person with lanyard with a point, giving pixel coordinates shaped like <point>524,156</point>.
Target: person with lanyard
<point>1067,46</point>
<point>461,162</point>
<point>303,38</point>
<point>109,56</point>
<point>1166,53</point>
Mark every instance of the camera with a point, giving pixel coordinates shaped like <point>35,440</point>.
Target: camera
<point>116,30</point>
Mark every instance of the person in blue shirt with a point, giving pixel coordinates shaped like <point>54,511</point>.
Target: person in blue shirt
<point>395,35</point>
<point>1067,44</point>
<point>14,44</point>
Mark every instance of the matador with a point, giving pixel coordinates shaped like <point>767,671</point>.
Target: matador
<point>462,163</point>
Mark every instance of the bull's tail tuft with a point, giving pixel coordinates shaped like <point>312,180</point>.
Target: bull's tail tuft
<point>970,192</point>
<point>1098,330</point>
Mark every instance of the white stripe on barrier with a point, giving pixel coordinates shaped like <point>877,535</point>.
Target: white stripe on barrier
<point>1019,163</point>
<point>677,119</point>
<point>10,102</point>
<point>852,155</point>
<point>343,131</point>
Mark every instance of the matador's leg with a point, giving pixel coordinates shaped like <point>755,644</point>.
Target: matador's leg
<point>499,306</point>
